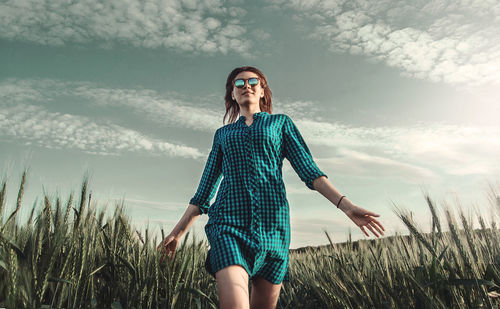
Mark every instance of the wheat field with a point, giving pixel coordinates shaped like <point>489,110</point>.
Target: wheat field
<point>67,254</point>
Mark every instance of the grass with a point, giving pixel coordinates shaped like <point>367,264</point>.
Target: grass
<point>69,255</point>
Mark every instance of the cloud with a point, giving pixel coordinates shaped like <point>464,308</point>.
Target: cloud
<point>443,41</point>
<point>150,205</point>
<point>165,109</point>
<point>366,165</point>
<point>209,26</point>
<point>35,125</point>
<point>298,108</point>
<point>310,231</point>
<point>162,109</point>
<point>411,154</point>
<point>308,223</point>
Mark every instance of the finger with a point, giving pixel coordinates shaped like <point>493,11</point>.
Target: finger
<point>376,227</point>
<point>378,223</point>
<point>363,229</point>
<point>165,244</point>
<point>372,229</point>
<point>370,213</point>
<point>161,246</point>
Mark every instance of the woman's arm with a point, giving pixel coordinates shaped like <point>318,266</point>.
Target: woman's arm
<point>168,245</point>
<point>210,179</point>
<point>328,190</point>
<point>190,215</point>
<point>360,216</point>
<point>200,202</point>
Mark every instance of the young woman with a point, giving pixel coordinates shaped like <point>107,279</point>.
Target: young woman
<point>249,223</point>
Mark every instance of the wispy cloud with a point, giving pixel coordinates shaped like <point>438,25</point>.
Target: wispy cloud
<point>35,125</point>
<point>164,109</point>
<point>210,26</point>
<point>366,165</point>
<point>304,229</point>
<point>443,41</point>
<point>415,154</point>
<point>297,108</point>
<point>150,205</point>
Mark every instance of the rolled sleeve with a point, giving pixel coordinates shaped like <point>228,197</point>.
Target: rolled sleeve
<point>298,154</point>
<point>210,178</point>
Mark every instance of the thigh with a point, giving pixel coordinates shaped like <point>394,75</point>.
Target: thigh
<point>265,294</point>
<point>228,248</point>
<point>232,286</point>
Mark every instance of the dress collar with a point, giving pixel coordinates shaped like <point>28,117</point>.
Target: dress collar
<point>255,116</point>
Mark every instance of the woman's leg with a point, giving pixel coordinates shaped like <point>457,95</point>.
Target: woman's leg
<point>232,286</point>
<point>265,294</point>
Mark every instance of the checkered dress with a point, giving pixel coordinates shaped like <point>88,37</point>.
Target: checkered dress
<point>249,222</point>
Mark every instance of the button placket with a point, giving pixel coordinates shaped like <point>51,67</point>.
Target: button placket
<point>252,175</point>
<point>248,146</point>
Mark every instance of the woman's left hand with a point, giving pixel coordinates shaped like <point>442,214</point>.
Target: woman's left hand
<point>364,219</point>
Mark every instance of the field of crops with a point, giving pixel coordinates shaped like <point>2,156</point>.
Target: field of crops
<point>69,255</point>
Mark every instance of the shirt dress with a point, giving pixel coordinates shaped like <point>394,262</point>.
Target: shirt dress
<point>249,222</point>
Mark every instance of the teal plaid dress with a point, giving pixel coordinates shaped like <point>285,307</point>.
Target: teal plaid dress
<point>249,222</point>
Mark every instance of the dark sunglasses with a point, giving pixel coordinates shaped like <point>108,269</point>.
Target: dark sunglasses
<point>252,81</point>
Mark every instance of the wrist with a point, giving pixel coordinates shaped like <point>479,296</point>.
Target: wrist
<point>175,235</point>
<point>345,204</point>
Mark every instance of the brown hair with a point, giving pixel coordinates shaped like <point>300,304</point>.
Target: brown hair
<point>232,107</point>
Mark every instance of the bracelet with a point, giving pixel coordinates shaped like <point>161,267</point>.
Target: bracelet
<point>340,200</point>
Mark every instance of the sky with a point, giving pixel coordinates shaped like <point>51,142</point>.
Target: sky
<point>393,98</point>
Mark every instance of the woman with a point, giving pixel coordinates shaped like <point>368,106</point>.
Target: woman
<point>248,227</point>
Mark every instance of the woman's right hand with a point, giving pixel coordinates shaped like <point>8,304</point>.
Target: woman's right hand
<point>167,247</point>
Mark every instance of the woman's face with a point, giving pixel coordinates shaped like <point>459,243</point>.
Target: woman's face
<point>247,95</point>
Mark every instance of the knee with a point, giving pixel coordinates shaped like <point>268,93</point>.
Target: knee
<point>265,294</point>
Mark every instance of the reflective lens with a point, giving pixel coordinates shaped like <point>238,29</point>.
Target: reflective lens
<point>240,83</point>
<point>253,82</point>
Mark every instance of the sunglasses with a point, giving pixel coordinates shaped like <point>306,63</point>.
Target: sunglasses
<point>252,81</point>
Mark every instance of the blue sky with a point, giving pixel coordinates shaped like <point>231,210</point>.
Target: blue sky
<point>391,97</point>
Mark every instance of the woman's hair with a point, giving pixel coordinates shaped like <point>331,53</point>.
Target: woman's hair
<point>232,107</point>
